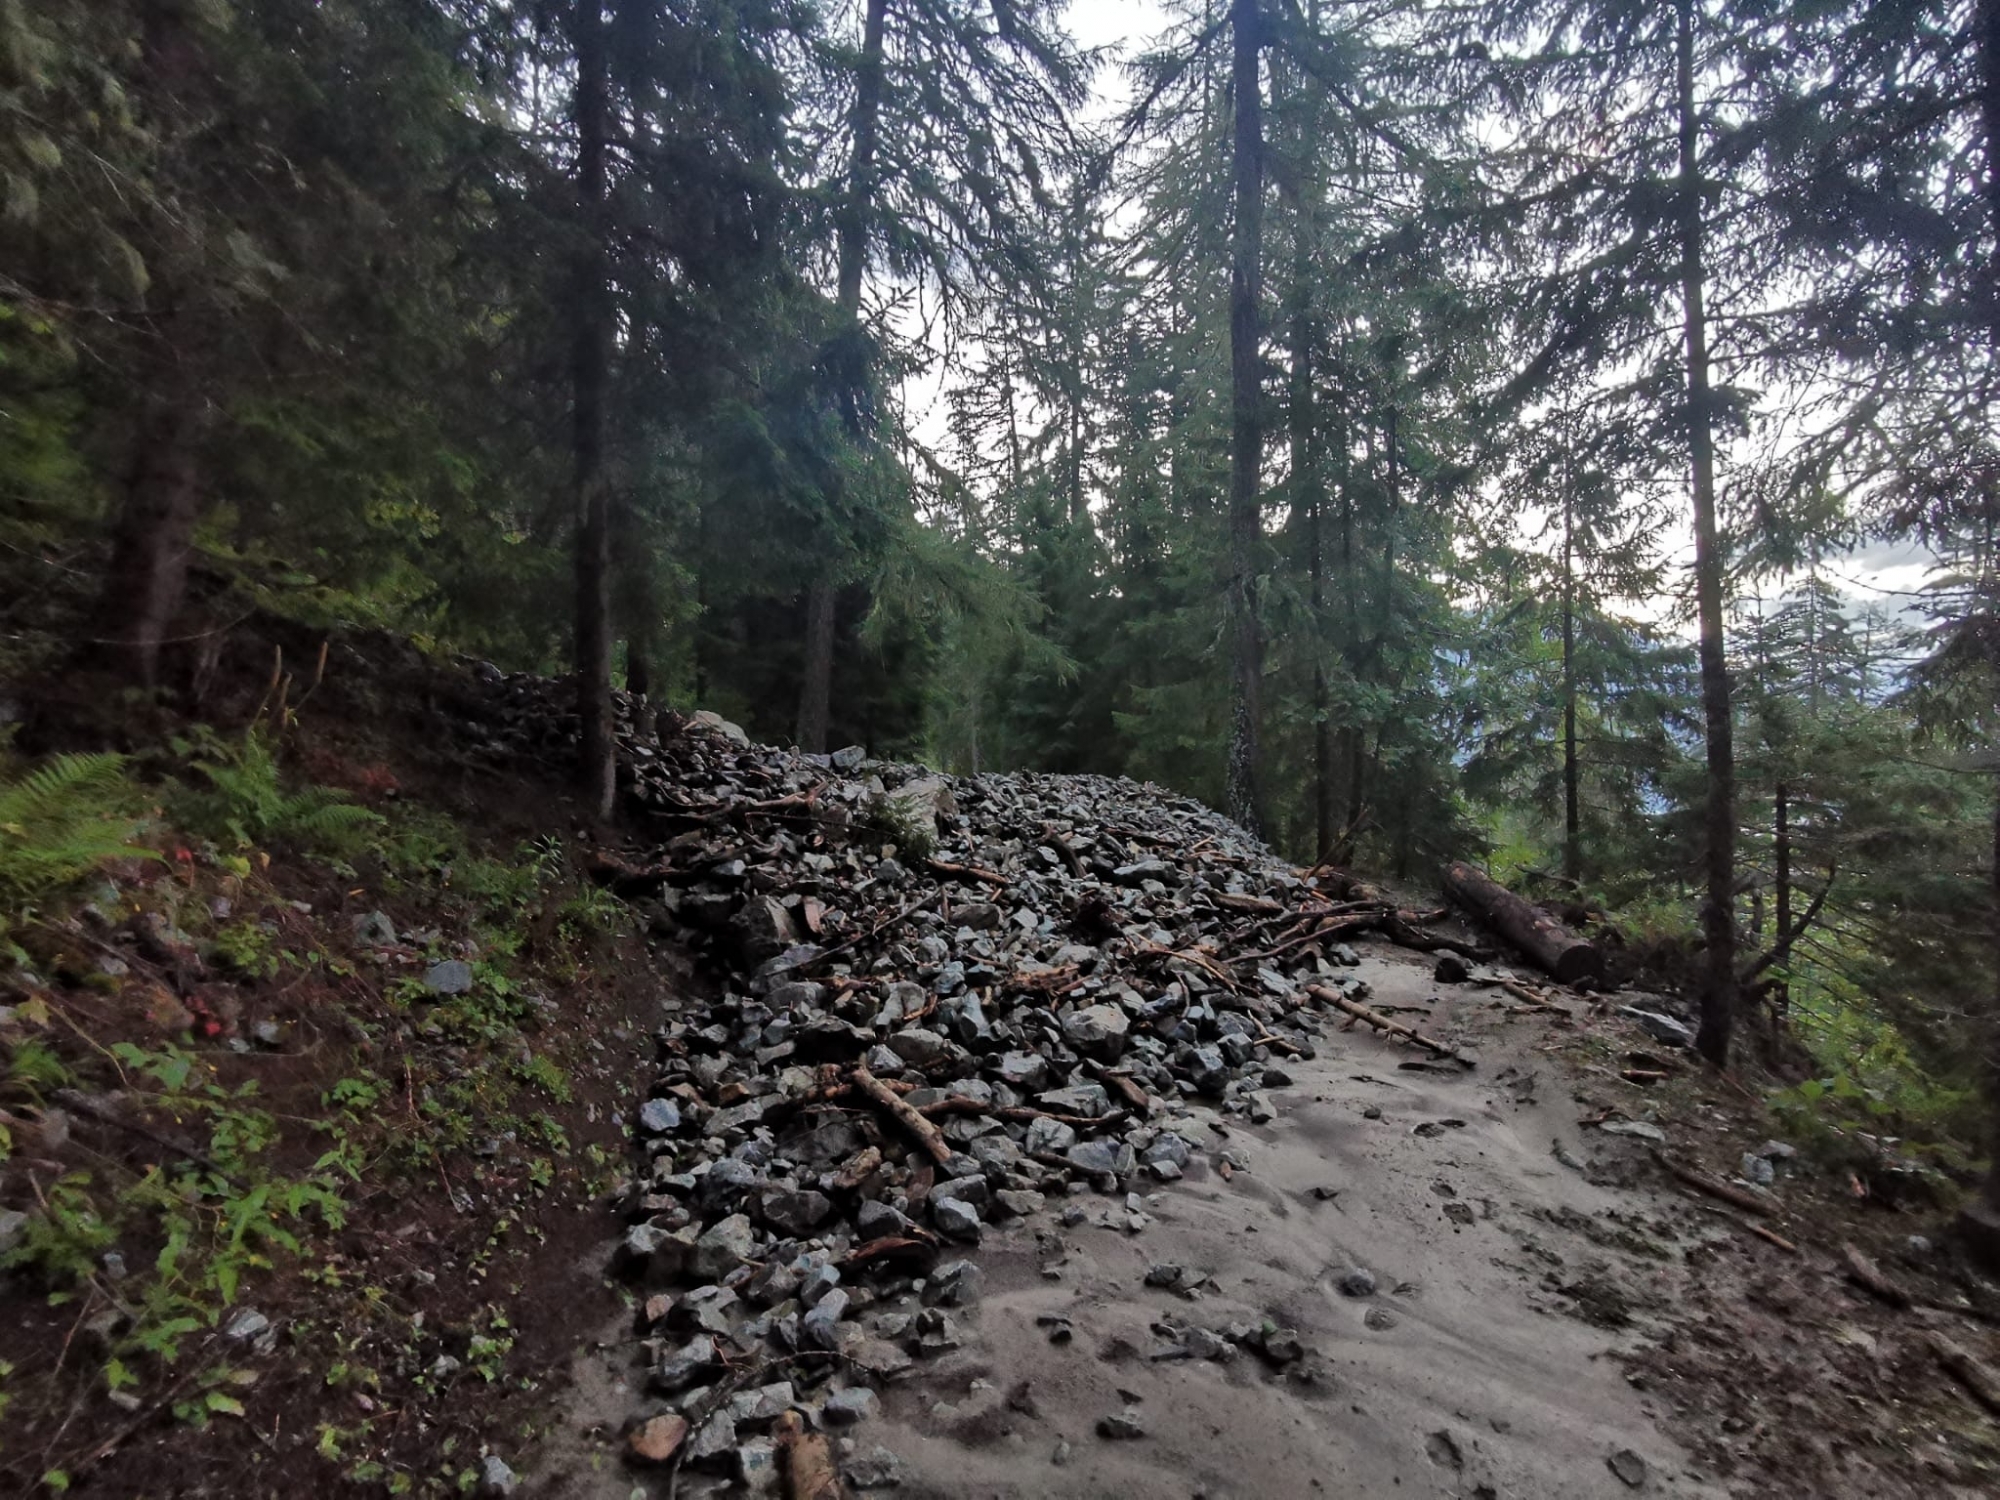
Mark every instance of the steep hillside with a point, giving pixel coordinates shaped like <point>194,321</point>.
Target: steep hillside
<point>383,1127</point>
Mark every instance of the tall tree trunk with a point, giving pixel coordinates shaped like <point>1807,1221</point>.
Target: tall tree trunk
<point>153,536</point>
<point>816,688</point>
<point>591,376</point>
<point>151,546</point>
<point>1718,1001</point>
<point>1781,880</point>
<point>1308,486</point>
<point>1980,1219</point>
<point>1246,449</point>
<point>815,707</point>
<point>1572,774</point>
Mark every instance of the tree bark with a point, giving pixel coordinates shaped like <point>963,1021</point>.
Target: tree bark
<point>1718,1001</point>
<point>1781,882</point>
<point>1308,489</point>
<point>1545,940</point>
<point>153,541</point>
<point>1246,449</point>
<point>816,702</point>
<point>1572,863</point>
<point>591,374</point>
<point>816,684</point>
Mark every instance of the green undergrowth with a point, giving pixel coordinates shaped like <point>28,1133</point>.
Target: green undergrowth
<point>206,1073</point>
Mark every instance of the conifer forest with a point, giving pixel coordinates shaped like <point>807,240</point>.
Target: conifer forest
<point>1558,437</point>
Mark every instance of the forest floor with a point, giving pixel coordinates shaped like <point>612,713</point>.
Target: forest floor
<point>1545,1311</point>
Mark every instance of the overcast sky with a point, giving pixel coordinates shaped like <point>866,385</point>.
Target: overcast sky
<point>1873,572</point>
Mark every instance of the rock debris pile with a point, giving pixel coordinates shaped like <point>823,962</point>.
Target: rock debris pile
<point>940,1004</point>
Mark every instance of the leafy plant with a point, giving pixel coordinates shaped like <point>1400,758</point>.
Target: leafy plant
<point>245,802</point>
<point>61,821</point>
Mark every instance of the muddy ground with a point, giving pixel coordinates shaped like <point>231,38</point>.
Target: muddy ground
<point>1549,1316</point>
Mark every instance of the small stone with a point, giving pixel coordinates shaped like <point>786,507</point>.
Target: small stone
<point>1123,1426</point>
<point>957,1219</point>
<point>375,930</point>
<point>845,1408</point>
<point>727,1244</point>
<point>1758,1169</point>
<point>657,1440</point>
<point>680,1368</point>
<point>820,1327</point>
<point>1205,1343</point>
<point>451,976</point>
<point>1357,1281</point>
<point>246,1325</point>
<point>796,1214</point>
<point>495,1478</point>
<point>821,1280</point>
<point>1451,969</point>
<point>1098,1031</point>
<point>877,1220</point>
<point>1638,1129</point>
<point>1380,1319</point>
<point>1101,1158</point>
<point>1628,1466</point>
<point>1049,1137</point>
<point>659,1116</point>
<point>1281,1346</point>
<point>952,1285</point>
<point>879,1470</point>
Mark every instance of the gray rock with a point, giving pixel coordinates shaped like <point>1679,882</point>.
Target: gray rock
<point>1357,1281</point>
<point>677,1369</point>
<point>1169,1147</point>
<point>878,1221</point>
<point>1098,1031</point>
<point>847,759</point>
<point>955,1284</point>
<point>1758,1169</point>
<point>796,1214</point>
<point>1027,1072</point>
<point>374,930</point>
<point>13,1228</point>
<point>659,1117</point>
<point>819,1282</point>
<point>919,1047</point>
<point>1629,1467</point>
<point>451,976</point>
<point>246,1325</point>
<point>1049,1137</point>
<point>956,1219</point>
<point>495,1478</point>
<point>846,1408</point>
<point>1086,1099</point>
<point>1636,1128</point>
<point>879,1470</point>
<point>1101,1158</point>
<point>820,1327</point>
<point>1123,1426</point>
<point>712,1309</point>
<point>1207,1071</point>
<point>726,1245</point>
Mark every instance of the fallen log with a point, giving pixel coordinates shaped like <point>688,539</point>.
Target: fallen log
<point>1865,1274</point>
<point>1750,1203</point>
<point>898,1109</point>
<point>1383,1024</point>
<point>1973,1373</point>
<point>805,1460</point>
<point>1552,946</point>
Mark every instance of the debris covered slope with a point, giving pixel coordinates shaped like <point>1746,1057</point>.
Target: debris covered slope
<point>938,1006</point>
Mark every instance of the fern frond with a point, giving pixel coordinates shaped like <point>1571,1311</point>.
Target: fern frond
<point>61,821</point>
